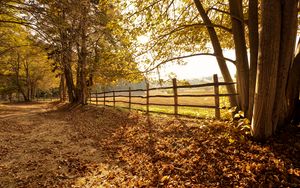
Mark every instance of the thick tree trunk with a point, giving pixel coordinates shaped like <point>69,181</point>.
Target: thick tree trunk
<point>82,59</point>
<point>287,44</point>
<point>93,66</point>
<point>293,88</point>
<point>218,51</point>
<point>83,76</point>
<point>69,82</point>
<point>262,126</point>
<point>253,42</point>
<point>66,58</point>
<point>66,61</point>
<point>242,67</point>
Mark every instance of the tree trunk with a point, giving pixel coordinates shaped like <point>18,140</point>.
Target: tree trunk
<point>82,60</point>
<point>293,88</point>
<point>78,73</point>
<point>242,67</point>
<point>93,66</point>
<point>287,44</point>
<point>265,92</point>
<point>28,80</point>
<point>66,61</point>
<point>253,42</point>
<point>32,90</point>
<point>218,51</point>
<point>62,88</point>
<point>66,58</point>
<point>83,76</point>
<point>17,71</point>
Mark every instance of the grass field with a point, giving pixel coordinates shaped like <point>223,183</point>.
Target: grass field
<point>190,111</point>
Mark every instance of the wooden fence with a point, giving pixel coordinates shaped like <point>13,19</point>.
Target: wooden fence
<point>102,97</point>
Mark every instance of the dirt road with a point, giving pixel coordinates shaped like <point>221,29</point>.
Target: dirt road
<point>44,148</point>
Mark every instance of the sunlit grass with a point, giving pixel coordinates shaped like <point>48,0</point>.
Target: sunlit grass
<point>187,111</point>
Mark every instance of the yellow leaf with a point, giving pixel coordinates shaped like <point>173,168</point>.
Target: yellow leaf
<point>165,178</point>
<point>248,168</point>
<point>231,140</point>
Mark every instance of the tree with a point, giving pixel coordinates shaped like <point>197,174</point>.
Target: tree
<point>77,30</point>
<point>237,20</point>
<point>273,104</point>
<point>25,68</point>
<point>176,31</point>
<point>217,50</point>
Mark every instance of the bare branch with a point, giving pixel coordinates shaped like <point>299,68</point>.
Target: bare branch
<point>182,27</point>
<point>228,13</point>
<point>187,56</point>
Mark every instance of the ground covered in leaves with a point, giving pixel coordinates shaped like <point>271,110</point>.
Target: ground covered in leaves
<point>55,145</point>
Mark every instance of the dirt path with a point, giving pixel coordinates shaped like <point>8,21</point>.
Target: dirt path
<point>39,148</point>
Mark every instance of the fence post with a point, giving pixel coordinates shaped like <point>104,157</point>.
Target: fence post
<point>217,99</point>
<point>104,98</point>
<point>129,98</point>
<point>96,97</point>
<point>147,98</point>
<point>114,99</point>
<point>175,96</point>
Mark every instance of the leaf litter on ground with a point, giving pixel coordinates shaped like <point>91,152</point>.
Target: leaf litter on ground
<point>105,147</point>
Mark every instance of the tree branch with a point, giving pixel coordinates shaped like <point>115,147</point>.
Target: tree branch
<point>13,47</point>
<point>228,13</point>
<point>187,56</point>
<point>182,27</point>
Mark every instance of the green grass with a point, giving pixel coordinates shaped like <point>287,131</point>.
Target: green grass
<point>189,111</point>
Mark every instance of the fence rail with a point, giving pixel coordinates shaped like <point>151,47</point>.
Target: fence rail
<point>111,96</point>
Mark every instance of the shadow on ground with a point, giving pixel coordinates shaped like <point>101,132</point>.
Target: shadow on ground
<point>95,146</point>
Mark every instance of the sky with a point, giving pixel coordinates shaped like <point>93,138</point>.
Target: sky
<point>196,67</point>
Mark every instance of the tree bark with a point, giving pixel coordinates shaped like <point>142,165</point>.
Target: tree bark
<point>218,51</point>
<point>28,82</point>
<point>82,60</point>
<point>92,69</point>
<point>253,42</point>
<point>17,71</point>
<point>293,88</point>
<point>287,44</point>
<point>66,61</point>
<point>62,88</point>
<point>32,90</point>
<point>242,67</point>
<point>262,126</point>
